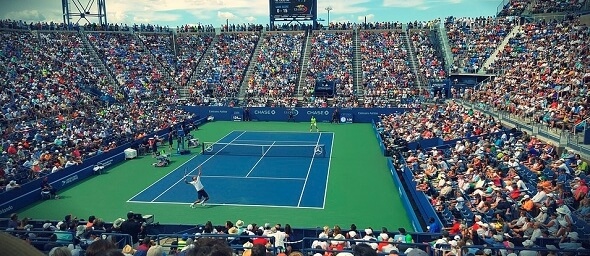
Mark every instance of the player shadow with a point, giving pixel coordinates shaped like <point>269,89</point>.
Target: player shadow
<point>207,206</point>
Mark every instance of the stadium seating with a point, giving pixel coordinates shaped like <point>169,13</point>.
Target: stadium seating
<point>514,8</point>
<point>220,74</point>
<point>276,70</point>
<point>189,49</point>
<point>431,65</point>
<point>556,6</point>
<point>387,77</point>
<point>123,54</point>
<point>54,116</point>
<point>474,40</point>
<point>331,60</point>
<point>540,81</point>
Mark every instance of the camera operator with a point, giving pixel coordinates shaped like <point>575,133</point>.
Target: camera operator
<point>132,226</point>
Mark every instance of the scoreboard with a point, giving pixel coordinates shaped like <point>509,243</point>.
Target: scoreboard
<point>289,9</point>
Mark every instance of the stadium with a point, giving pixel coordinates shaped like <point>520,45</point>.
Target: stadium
<point>448,136</point>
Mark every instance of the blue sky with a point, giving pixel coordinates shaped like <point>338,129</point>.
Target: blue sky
<point>178,12</point>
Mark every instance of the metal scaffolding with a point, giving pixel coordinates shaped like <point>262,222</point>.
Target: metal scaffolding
<point>75,11</point>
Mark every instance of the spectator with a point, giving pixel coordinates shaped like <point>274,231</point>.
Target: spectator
<point>221,71</point>
<point>12,185</point>
<point>276,70</point>
<point>99,247</point>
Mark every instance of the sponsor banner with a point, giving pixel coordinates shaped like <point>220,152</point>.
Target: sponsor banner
<point>346,118</point>
<point>359,115</point>
<point>404,196</point>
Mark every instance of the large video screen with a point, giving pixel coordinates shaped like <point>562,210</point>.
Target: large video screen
<point>284,9</point>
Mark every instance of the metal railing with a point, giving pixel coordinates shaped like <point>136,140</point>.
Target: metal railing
<point>563,136</point>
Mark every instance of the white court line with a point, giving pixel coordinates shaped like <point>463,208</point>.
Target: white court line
<point>260,159</point>
<point>241,205</point>
<point>253,177</point>
<point>173,170</point>
<point>183,178</point>
<point>328,174</point>
<point>286,132</point>
<point>308,171</point>
<point>298,142</point>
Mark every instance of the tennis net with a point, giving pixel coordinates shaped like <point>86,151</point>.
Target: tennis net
<point>270,150</point>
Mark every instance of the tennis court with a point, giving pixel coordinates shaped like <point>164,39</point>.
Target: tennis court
<point>359,188</point>
<point>242,162</point>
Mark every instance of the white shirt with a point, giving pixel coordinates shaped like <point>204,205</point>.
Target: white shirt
<point>539,197</point>
<point>279,238</point>
<point>536,234</point>
<point>10,186</point>
<point>197,183</point>
<point>521,185</point>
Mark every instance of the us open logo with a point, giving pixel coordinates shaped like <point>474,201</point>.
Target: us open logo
<point>293,112</point>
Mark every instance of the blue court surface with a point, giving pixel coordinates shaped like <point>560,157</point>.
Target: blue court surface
<point>253,168</point>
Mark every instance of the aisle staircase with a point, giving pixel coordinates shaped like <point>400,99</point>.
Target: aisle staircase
<point>97,61</point>
<point>492,58</point>
<point>412,59</point>
<point>304,66</point>
<point>163,70</point>
<point>445,46</point>
<point>251,67</point>
<point>357,72</point>
<point>184,93</point>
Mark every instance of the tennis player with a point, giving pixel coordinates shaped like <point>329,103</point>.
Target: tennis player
<point>202,195</point>
<point>314,124</point>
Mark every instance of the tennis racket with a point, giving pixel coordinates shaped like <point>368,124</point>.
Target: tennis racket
<point>185,173</point>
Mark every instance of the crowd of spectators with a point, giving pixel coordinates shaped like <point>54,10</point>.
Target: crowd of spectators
<point>330,59</point>
<point>136,75</point>
<point>35,149</point>
<point>387,77</point>
<point>52,26</point>
<point>52,117</point>
<point>198,28</point>
<point>160,45</point>
<point>431,66</point>
<point>506,189</point>
<point>276,71</point>
<point>250,27</point>
<point>553,6</point>
<point>179,59</point>
<point>473,40</point>
<point>514,8</point>
<point>220,74</point>
<point>543,79</point>
<point>447,122</point>
<point>190,49</point>
<point>36,82</point>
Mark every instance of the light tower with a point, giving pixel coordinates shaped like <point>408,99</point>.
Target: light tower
<point>329,8</point>
<point>75,10</point>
